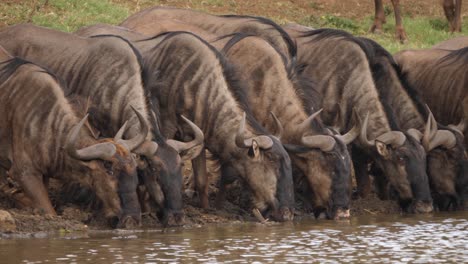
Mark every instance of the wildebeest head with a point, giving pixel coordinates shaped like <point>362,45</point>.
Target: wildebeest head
<point>325,160</point>
<point>403,160</point>
<point>267,169</point>
<point>161,171</point>
<point>446,154</point>
<point>112,171</point>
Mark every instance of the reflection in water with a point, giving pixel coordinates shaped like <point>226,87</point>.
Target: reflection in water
<point>416,239</point>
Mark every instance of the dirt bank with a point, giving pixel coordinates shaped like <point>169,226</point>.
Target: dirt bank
<point>72,217</point>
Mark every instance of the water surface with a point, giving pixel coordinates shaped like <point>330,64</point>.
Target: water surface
<point>438,238</point>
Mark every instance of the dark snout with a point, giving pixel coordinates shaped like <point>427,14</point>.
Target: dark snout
<point>131,210</point>
<point>284,214</point>
<point>341,213</point>
<point>272,212</point>
<point>129,222</point>
<point>420,207</point>
<point>446,202</point>
<point>173,218</point>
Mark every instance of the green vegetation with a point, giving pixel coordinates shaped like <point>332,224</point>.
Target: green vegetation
<point>69,15</point>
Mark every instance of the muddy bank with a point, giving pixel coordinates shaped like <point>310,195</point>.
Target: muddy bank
<point>72,219</point>
<point>236,209</point>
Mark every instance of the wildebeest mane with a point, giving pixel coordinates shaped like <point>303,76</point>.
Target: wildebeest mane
<point>9,67</point>
<point>236,86</point>
<point>292,47</point>
<point>238,36</point>
<point>331,33</point>
<point>145,77</point>
<point>382,53</point>
<point>303,85</point>
<point>454,56</point>
<point>134,49</point>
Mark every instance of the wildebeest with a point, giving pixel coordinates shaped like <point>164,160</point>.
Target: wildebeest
<point>271,86</point>
<point>444,146</point>
<point>108,71</point>
<point>452,44</point>
<point>452,10</point>
<point>440,77</point>
<point>344,79</point>
<point>193,79</point>
<point>218,25</point>
<point>272,90</point>
<point>42,138</point>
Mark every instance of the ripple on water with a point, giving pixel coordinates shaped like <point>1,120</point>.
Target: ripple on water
<point>408,239</point>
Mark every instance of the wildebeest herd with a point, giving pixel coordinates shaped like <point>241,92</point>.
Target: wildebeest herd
<point>114,111</point>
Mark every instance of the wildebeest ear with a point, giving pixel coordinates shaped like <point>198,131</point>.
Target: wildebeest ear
<point>382,149</point>
<point>254,150</point>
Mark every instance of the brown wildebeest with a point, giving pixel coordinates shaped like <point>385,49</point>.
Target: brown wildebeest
<point>193,78</point>
<point>108,70</point>
<point>42,137</point>
<point>321,156</point>
<point>452,10</point>
<point>444,145</point>
<point>269,78</point>
<point>453,44</point>
<point>345,81</point>
<point>440,76</point>
<point>217,25</point>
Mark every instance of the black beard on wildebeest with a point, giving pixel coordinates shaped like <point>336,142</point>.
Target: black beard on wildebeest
<point>239,143</point>
<point>345,81</point>
<point>111,76</point>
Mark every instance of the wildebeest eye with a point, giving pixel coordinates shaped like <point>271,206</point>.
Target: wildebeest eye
<point>108,166</point>
<point>401,159</point>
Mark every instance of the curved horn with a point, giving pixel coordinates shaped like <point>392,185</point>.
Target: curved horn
<point>121,131</point>
<point>305,125</point>
<point>279,126</point>
<point>136,141</point>
<point>350,136</point>
<point>240,141</point>
<point>426,139</point>
<point>323,142</point>
<point>264,142</point>
<point>416,134</point>
<point>460,127</point>
<point>180,146</point>
<point>430,130</point>
<point>394,138</point>
<point>354,132</point>
<point>444,138</point>
<point>97,151</point>
<point>363,134</point>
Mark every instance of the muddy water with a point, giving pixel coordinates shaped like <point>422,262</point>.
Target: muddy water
<point>416,239</point>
